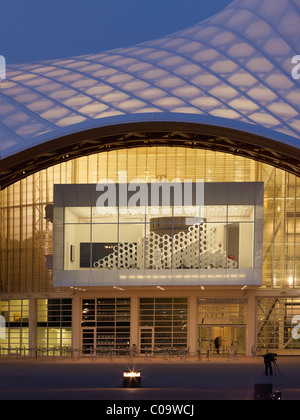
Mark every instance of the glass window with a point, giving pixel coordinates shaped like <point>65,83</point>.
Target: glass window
<point>16,315</point>
<point>168,316</point>
<point>208,237</point>
<point>110,319</point>
<point>104,215</point>
<point>221,311</point>
<point>240,213</point>
<point>276,323</point>
<point>132,215</point>
<point>25,231</point>
<point>88,311</point>
<point>77,246</point>
<point>54,325</point>
<point>215,214</point>
<point>104,246</point>
<point>77,215</point>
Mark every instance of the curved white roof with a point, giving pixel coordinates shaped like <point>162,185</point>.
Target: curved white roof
<point>232,70</point>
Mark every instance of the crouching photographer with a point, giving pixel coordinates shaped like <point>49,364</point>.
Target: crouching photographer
<point>269,358</point>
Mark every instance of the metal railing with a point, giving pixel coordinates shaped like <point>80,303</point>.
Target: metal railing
<point>112,353</point>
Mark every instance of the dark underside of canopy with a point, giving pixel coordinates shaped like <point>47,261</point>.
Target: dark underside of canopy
<point>132,135</point>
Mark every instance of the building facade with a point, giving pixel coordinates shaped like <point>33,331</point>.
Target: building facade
<point>214,106</point>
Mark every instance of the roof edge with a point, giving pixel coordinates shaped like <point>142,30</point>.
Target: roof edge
<point>161,117</point>
<point>179,131</point>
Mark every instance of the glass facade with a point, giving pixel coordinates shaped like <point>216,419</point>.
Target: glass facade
<point>54,325</point>
<point>26,228</point>
<point>105,325</point>
<point>277,325</point>
<point>222,311</point>
<point>163,323</point>
<point>16,315</point>
<point>168,239</point>
<point>26,245</point>
<point>222,321</point>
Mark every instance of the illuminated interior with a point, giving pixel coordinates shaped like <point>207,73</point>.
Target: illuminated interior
<point>163,241</point>
<point>215,102</point>
<point>163,323</point>
<point>26,235</point>
<point>54,326</point>
<point>16,315</point>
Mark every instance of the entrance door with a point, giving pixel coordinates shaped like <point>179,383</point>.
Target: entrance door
<point>146,339</point>
<point>231,339</point>
<point>88,340</point>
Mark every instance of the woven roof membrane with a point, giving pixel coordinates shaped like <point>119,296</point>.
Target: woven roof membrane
<point>234,69</point>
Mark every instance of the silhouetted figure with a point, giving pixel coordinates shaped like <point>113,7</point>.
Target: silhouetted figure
<point>268,359</point>
<point>217,344</point>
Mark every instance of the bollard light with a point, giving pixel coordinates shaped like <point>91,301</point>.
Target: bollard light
<point>132,379</point>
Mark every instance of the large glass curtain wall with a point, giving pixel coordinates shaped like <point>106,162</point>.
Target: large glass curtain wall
<point>163,323</point>
<point>26,229</point>
<point>222,320</point>
<point>54,325</point>
<point>278,327</point>
<point>141,238</point>
<point>15,313</point>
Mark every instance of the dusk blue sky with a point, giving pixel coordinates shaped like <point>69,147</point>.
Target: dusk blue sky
<point>39,29</point>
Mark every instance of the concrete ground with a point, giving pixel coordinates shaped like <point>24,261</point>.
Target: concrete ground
<point>162,380</point>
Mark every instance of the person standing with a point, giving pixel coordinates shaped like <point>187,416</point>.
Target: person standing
<point>268,364</point>
<point>217,344</point>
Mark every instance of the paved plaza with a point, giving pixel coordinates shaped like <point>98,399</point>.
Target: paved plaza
<point>162,380</point>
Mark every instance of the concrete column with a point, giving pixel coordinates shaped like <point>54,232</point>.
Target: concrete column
<point>76,318</point>
<point>251,339</point>
<point>32,326</point>
<point>134,321</point>
<point>192,323</point>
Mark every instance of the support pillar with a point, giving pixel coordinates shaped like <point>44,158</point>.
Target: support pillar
<point>134,321</point>
<point>76,314</point>
<point>251,339</point>
<point>192,323</point>
<point>32,344</point>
